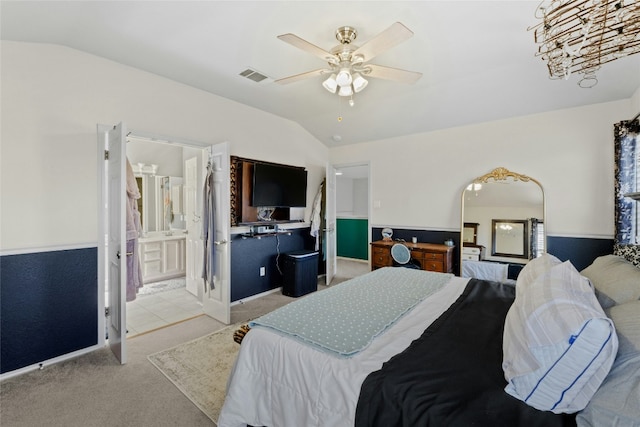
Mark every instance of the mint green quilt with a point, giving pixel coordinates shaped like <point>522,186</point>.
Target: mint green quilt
<point>344,319</point>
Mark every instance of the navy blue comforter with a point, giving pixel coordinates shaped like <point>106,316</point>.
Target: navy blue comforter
<point>452,375</point>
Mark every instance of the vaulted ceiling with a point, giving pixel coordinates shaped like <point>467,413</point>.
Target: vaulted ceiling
<point>476,57</point>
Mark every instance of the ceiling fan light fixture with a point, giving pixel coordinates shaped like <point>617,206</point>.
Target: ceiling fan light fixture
<point>344,78</point>
<point>330,84</point>
<point>345,91</point>
<point>359,82</point>
<point>348,63</point>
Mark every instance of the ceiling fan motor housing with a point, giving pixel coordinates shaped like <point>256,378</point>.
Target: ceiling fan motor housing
<point>346,35</point>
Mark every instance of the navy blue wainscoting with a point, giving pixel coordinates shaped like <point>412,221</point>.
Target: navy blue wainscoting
<point>249,254</point>
<point>48,305</point>
<point>581,251</point>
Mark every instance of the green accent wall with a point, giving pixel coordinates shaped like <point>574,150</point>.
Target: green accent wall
<point>352,238</point>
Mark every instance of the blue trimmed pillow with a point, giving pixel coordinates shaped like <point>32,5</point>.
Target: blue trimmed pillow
<point>558,343</point>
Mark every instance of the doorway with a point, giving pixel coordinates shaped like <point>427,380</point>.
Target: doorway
<point>116,251</point>
<point>167,176</point>
<point>352,219</point>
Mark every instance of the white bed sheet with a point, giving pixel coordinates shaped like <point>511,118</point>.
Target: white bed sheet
<point>485,270</point>
<point>278,381</point>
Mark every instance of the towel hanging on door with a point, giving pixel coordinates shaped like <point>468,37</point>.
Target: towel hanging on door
<point>208,229</point>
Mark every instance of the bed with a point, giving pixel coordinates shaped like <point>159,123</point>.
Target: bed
<point>444,360</point>
<point>491,270</point>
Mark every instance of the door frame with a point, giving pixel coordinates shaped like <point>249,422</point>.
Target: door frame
<point>369,192</point>
<point>102,130</point>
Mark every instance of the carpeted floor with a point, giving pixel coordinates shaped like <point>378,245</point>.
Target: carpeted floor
<point>95,390</point>
<point>200,368</point>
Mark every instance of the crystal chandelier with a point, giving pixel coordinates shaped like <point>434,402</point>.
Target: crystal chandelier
<point>578,36</point>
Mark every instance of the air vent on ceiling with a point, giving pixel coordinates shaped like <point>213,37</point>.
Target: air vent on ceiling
<point>253,75</point>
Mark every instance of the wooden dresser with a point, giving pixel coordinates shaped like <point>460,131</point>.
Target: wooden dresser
<point>431,256</point>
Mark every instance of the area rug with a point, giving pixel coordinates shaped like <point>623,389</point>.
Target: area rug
<point>163,286</point>
<point>200,368</point>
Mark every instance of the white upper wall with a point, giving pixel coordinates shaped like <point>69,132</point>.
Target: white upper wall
<point>417,180</point>
<point>52,99</point>
<point>352,197</point>
<point>635,103</point>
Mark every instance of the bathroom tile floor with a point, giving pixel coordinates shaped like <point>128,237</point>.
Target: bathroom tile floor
<point>152,311</point>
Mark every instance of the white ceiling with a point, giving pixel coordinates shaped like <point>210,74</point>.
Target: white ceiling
<point>477,57</point>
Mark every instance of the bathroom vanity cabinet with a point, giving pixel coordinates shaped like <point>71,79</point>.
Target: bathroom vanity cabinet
<point>162,257</point>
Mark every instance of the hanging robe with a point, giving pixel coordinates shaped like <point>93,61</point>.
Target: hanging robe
<point>208,229</point>
<point>134,272</point>
<point>316,216</point>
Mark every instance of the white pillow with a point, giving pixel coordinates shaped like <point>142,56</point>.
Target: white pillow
<point>558,343</point>
<point>616,280</point>
<point>533,269</point>
<point>626,317</point>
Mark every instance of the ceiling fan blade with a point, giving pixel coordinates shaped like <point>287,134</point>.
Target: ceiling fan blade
<point>395,34</point>
<point>302,76</point>
<point>296,41</point>
<point>395,74</point>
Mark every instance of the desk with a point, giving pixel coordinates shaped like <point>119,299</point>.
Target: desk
<point>431,256</point>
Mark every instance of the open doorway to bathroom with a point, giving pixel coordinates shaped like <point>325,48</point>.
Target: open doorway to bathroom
<point>352,220</point>
<point>168,205</point>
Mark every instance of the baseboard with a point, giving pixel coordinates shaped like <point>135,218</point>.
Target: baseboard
<point>44,364</point>
<point>256,296</point>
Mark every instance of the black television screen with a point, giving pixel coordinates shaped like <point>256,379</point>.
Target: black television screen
<point>279,186</point>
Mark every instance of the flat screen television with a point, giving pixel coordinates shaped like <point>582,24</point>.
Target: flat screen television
<point>278,186</point>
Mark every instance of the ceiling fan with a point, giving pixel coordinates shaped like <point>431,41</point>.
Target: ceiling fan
<point>348,63</point>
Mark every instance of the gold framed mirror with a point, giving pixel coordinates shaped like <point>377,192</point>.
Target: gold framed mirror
<point>507,198</point>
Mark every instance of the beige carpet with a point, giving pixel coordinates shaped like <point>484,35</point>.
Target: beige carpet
<point>200,368</point>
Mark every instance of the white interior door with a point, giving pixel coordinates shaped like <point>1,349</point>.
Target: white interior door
<point>116,242</point>
<point>330,217</point>
<point>217,298</point>
<point>193,212</point>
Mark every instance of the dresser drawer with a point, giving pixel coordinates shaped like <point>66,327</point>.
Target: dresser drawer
<point>470,257</point>
<point>419,255</point>
<point>471,251</point>
<point>379,250</point>
<point>380,260</point>
<point>434,256</point>
<point>380,257</point>
<point>433,266</point>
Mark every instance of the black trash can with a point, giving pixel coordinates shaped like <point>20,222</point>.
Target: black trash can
<point>300,273</point>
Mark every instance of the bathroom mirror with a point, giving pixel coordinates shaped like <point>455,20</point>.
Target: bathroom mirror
<point>511,199</point>
<point>159,170</point>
